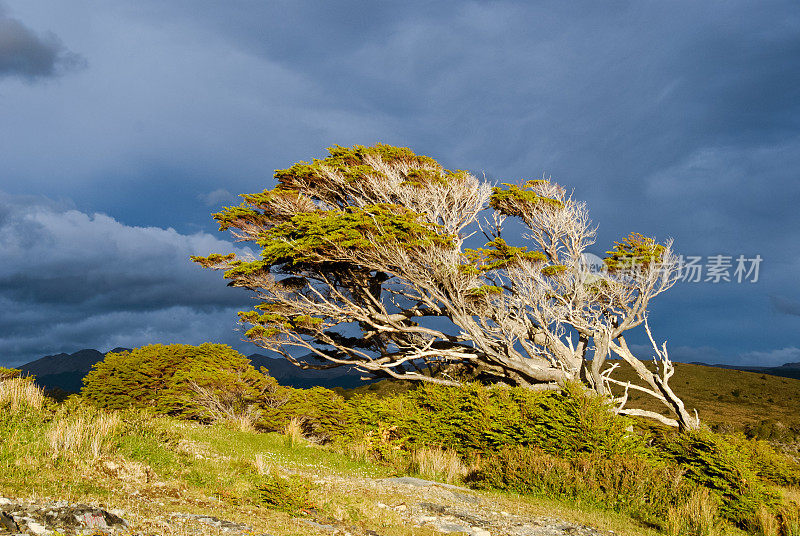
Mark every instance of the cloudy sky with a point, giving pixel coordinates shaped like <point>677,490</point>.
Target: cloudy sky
<point>123,125</point>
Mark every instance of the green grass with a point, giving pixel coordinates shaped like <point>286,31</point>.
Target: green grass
<point>277,450</point>
<point>164,465</point>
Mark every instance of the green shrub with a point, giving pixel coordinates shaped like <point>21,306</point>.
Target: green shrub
<point>718,465</point>
<point>209,382</point>
<point>768,429</point>
<point>322,413</point>
<point>767,462</point>
<point>474,419</point>
<point>636,486</point>
<point>291,495</point>
<point>8,373</point>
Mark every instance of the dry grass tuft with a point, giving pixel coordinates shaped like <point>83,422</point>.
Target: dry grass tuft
<point>18,393</point>
<point>226,407</point>
<point>698,517</point>
<point>790,519</point>
<point>438,463</point>
<point>83,436</point>
<point>765,523</point>
<point>262,466</point>
<point>294,431</point>
<point>358,450</point>
<point>245,421</point>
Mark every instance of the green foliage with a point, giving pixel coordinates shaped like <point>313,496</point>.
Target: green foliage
<point>635,250</point>
<point>322,412</point>
<point>768,464</point>
<point>291,495</point>
<point>485,290</point>
<point>322,236</point>
<point>519,200</point>
<point>475,419</point>
<point>496,255</point>
<point>553,270</point>
<point>160,378</point>
<point>8,373</point>
<point>769,429</point>
<point>718,465</point>
<point>569,445</point>
<point>628,484</point>
<point>352,163</point>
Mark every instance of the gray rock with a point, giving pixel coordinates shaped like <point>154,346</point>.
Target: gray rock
<point>7,522</point>
<point>43,519</point>
<point>314,524</point>
<point>224,526</point>
<point>420,483</point>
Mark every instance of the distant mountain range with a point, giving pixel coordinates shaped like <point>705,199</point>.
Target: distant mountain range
<point>787,370</point>
<point>66,371</point>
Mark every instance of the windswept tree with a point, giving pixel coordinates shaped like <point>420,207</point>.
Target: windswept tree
<point>363,263</point>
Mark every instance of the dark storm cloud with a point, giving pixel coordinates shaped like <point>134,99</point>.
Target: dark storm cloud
<point>78,280</point>
<point>673,119</point>
<point>25,54</point>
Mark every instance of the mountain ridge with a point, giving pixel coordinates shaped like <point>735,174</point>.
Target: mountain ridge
<point>787,370</point>
<point>65,371</point>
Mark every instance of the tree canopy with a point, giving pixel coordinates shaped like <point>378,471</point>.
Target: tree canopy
<point>364,262</point>
<point>172,379</point>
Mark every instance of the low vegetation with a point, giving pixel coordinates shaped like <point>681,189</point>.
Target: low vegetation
<point>562,447</point>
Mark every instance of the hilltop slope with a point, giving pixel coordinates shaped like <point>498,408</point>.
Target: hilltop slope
<point>767,406</point>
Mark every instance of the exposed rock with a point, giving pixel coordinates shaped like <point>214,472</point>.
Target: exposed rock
<point>420,483</point>
<point>450,509</point>
<point>7,523</point>
<point>221,524</point>
<point>69,519</point>
<point>321,526</point>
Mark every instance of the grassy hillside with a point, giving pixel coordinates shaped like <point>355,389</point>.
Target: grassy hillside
<point>170,477</point>
<point>562,454</point>
<point>762,405</point>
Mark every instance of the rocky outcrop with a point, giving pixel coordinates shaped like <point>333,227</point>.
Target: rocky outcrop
<point>43,519</point>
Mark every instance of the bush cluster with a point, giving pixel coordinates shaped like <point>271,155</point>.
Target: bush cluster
<point>205,382</point>
<point>555,444</point>
<point>291,495</point>
<point>475,419</point>
<point>628,484</point>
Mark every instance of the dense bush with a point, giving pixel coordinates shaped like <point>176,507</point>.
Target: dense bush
<point>8,373</point>
<point>766,461</point>
<point>717,464</point>
<point>569,445</point>
<point>201,382</point>
<point>628,484</point>
<point>562,445</point>
<point>292,495</point>
<point>478,420</point>
<point>322,413</point>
